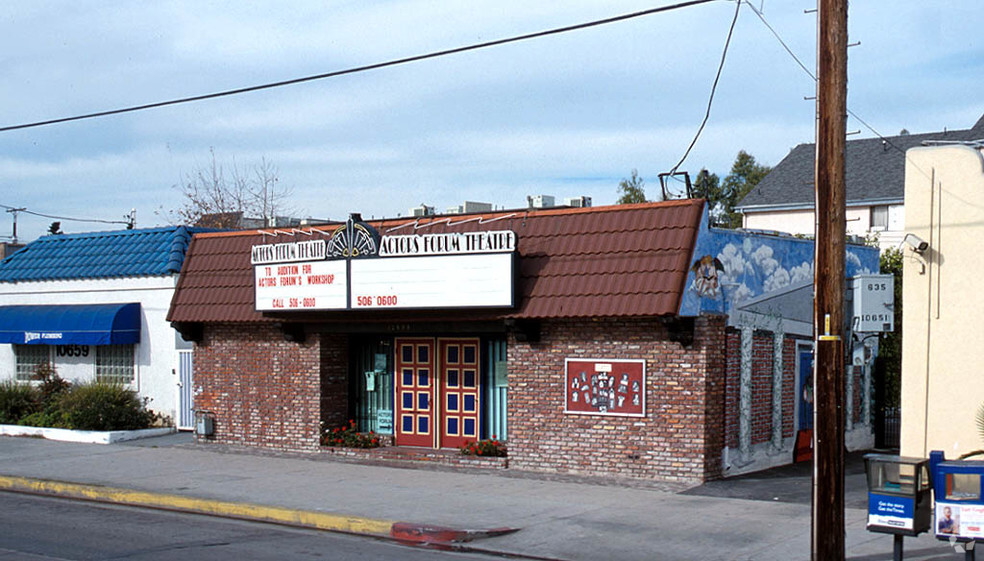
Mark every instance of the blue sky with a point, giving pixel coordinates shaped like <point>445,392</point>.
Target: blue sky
<point>565,115</point>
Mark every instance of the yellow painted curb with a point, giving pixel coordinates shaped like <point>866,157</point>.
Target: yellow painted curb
<point>304,518</point>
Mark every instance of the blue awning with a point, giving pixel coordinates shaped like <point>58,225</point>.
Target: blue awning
<point>78,324</point>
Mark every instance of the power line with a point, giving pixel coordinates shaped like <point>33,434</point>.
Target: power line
<point>813,76</point>
<point>42,215</point>
<point>710,101</point>
<point>359,69</point>
<point>781,42</point>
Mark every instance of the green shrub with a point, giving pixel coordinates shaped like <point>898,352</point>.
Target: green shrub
<point>101,406</point>
<point>16,401</point>
<point>52,385</point>
<point>53,419</point>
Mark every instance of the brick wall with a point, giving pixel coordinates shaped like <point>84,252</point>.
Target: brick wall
<point>334,380</point>
<point>679,439</point>
<point>263,390</point>
<point>761,387</point>
<point>762,354</point>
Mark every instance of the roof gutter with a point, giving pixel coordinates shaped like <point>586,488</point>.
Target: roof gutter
<point>810,206</point>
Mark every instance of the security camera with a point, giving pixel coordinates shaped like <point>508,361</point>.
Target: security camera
<point>917,244</point>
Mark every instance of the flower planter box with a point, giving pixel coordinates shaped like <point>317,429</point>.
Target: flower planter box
<point>417,455</point>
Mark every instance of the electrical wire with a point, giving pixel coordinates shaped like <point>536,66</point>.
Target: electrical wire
<point>781,42</point>
<point>42,215</point>
<point>710,101</point>
<point>359,69</point>
<point>813,76</point>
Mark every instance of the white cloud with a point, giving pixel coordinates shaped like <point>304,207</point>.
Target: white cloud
<point>779,279</point>
<point>800,273</point>
<point>762,257</point>
<point>734,264</point>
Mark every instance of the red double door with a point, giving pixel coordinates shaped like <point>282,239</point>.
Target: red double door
<point>438,392</point>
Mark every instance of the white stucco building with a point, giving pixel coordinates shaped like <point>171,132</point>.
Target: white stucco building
<point>94,306</point>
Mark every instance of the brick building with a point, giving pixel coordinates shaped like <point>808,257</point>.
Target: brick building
<point>594,341</point>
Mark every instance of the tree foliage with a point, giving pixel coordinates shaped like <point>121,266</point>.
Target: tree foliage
<point>632,190</point>
<point>228,193</point>
<point>890,346</point>
<point>723,196</point>
<point>745,174</point>
<point>707,186</point>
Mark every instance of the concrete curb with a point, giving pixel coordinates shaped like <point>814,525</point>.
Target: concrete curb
<point>83,436</point>
<point>244,511</point>
<point>400,531</point>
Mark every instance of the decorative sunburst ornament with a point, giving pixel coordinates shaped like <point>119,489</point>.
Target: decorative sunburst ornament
<point>354,239</point>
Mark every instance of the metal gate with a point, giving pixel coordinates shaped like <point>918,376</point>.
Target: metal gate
<point>186,399</point>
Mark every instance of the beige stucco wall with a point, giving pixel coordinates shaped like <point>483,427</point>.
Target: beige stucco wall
<point>943,301</point>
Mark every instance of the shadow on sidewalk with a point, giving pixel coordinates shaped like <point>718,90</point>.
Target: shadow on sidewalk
<point>789,484</point>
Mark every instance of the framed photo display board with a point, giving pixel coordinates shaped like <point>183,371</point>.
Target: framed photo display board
<point>605,387</point>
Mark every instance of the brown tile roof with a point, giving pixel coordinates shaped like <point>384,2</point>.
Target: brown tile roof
<point>626,260</point>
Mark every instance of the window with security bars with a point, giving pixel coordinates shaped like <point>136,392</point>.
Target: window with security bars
<point>28,359</point>
<point>114,364</point>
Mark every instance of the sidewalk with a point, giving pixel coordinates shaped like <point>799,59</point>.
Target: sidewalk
<point>557,519</point>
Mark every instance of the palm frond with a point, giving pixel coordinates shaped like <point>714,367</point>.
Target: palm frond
<point>980,420</point>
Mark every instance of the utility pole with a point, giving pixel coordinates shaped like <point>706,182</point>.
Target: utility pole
<point>14,212</point>
<point>828,314</point>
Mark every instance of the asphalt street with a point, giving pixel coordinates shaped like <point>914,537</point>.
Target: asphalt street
<point>762,517</point>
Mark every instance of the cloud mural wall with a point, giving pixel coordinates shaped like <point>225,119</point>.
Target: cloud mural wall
<point>753,264</point>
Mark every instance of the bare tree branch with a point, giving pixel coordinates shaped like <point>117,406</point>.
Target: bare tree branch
<point>223,200</point>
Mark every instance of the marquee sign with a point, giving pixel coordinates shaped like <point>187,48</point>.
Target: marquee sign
<point>448,244</point>
<point>356,268</point>
<point>308,285</point>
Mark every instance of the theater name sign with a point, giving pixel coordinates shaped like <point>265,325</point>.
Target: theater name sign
<point>358,269</point>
